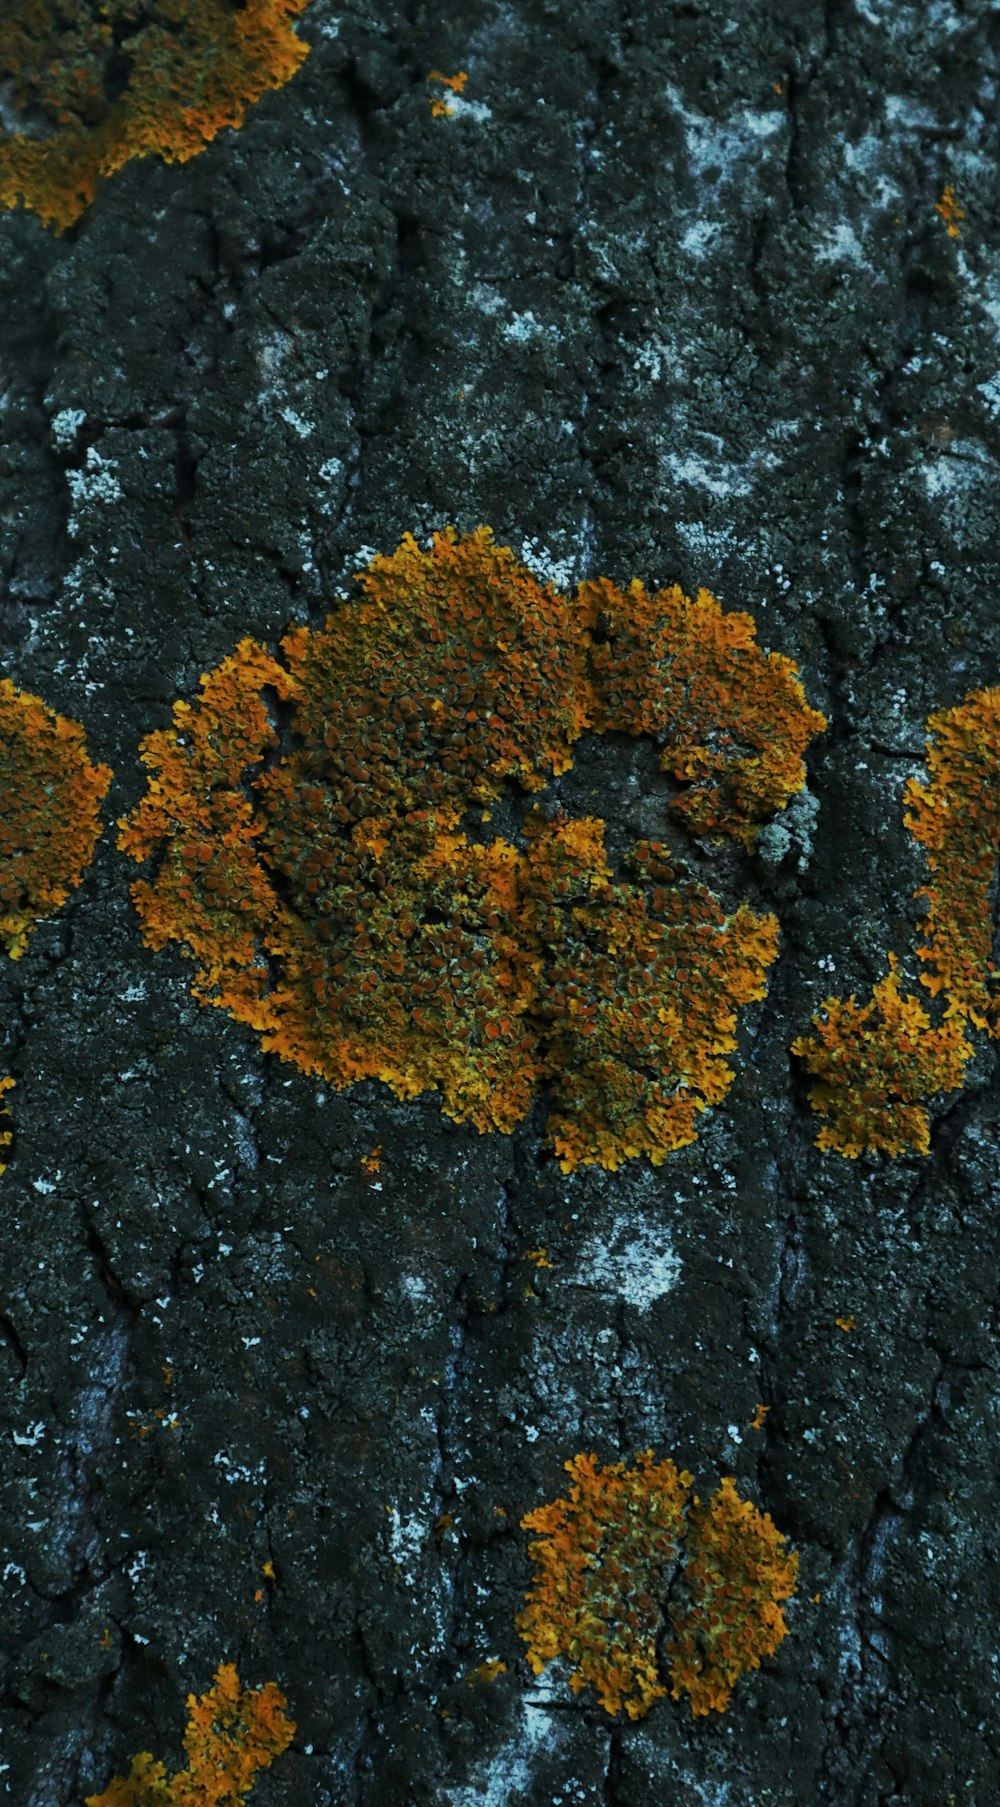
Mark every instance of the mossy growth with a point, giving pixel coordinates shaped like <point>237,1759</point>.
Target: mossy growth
<point>232,1735</point>
<point>50,821</point>
<point>878,1065</point>
<point>327,884</point>
<point>102,81</point>
<point>631,1564</point>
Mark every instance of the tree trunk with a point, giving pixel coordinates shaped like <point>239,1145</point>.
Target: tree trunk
<point>663,291</point>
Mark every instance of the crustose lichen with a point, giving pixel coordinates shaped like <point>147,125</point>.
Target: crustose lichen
<point>328,887</point>
<point>875,1067</point>
<point>104,81</point>
<point>232,1735</point>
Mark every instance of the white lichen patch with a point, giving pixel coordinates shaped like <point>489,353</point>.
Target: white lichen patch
<point>950,480</point>
<point>272,354</point>
<point>65,426</point>
<point>508,1775</point>
<point>720,479</point>
<point>636,1262</point>
<point>526,326</point>
<point>718,149</point>
<point>304,428</point>
<point>562,572</point>
<point>839,244</point>
<point>457,107</point>
<point>96,484</point>
<point>407,1538</point>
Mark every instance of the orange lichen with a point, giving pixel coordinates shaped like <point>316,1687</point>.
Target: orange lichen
<point>231,1736</point>
<point>875,1066</point>
<point>455,82</point>
<point>643,983</point>
<point>956,818</point>
<point>540,1257</point>
<point>950,211</point>
<point>6,1123</point>
<point>50,823</point>
<point>109,80</point>
<point>484,1673</point>
<point>737,1574</point>
<point>609,1562</point>
<point>604,1561</point>
<point>332,894</point>
<point>440,107</point>
<point>733,722</point>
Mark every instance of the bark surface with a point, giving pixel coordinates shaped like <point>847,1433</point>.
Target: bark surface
<point>668,294</point>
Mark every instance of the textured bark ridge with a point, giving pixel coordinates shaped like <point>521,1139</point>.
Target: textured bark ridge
<point>388,1373</point>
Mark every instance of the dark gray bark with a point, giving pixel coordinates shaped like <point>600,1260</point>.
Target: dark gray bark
<point>669,297</point>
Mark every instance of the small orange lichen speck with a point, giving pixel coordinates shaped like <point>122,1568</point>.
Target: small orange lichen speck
<point>485,1672</point>
<point>540,1257</point>
<point>231,1736</point>
<point>6,1123</point>
<point>950,211</point>
<point>334,900</point>
<point>608,1565</point>
<point>455,82</point>
<point>50,821</point>
<point>440,106</point>
<point>106,81</point>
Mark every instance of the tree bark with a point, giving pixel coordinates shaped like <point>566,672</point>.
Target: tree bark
<point>668,293</point>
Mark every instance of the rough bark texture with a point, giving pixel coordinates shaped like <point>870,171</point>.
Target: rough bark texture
<point>669,296</point>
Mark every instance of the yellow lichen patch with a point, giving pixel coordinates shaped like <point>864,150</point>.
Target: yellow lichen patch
<point>108,80</point>
<point>643,983</point>
<point>950,211</point>
<point>485,1672</point>
<point>604,1559</point>
<point>628,1553</point>
<point>874,1066</point>
<point>50,822</point>
<point>231,1735</point>
<point>732,720</point>
<point>737,1574</point>
<point>6,1123</point>
<point>329,888</point>
<point>956,818</point>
